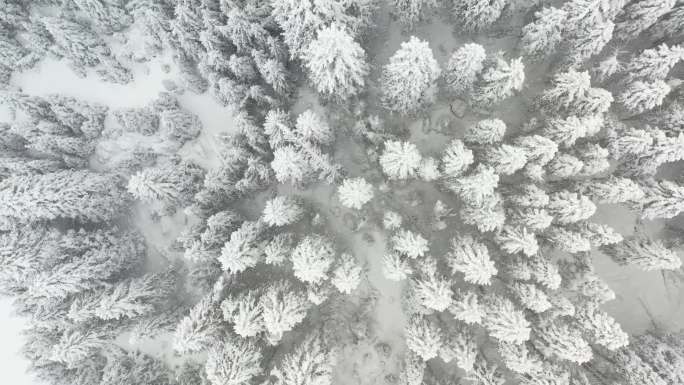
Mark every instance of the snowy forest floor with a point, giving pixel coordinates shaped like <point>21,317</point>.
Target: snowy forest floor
<point>644,299</point>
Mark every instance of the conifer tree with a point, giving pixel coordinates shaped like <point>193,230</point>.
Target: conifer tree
<point>515,240</point>
<point>627,366</point>
<point>233,362</point>
<point>594,159</point>
<point>463,68</point>
<point>564,166</point>
<point>654,63</point>
<point>644,253</point>
<point>589,26</point>
<point>467,307</point>
<point>412,369</point>
<point>531,218</point>
<point>411,12</point>
<point>283,307</point>
<point>544,271</point>
<point>569,207</point>
<point>528,195</point>
<point>201,328</point>
<point>311,362</point>
<point>640,96</point>
<point>519,359</point>
<point>408,243</point>
<point>78,344</point>
<point>109,15</point>
<point>606,68</point>
<point>600,328</point>
<point>485,373</point>
<point>297,153</point>
<point>477,186</point>
<point>347,275</point>
<point>456,158</point>
<point>662,199</point>
<point>131,367</point>
<point>300,20</point>
<point>75,41</point>
<point>472,259</point>
<point>428,170</point>
<point>613,190</point>
<point>400,160</point>
<point>531,296</point>
<point>488,215</point>
<point>485,132</point>
<point>408,80</point>
<point>545,33</point>
<point>244,312</point>
<point>423,337</point>
<point>355,192</point>
<point>312,258</point>
<point>505,159</point>
<point>432,290</point>
<point>561,340</point>
<point>396,268</point>
<point>128,299</point>
<point>459,345</point>
<point>568,88</point>
<point>336,63</point>
<point>639,16</point>
<point>567,131</point>
<point>170,185</point>
<point>499,82</point>
<point>25,166</point>
<point>282,210</point>
<point>567,240</point>
<point>477,15</point>
<point>179,125</point>
<point>278,248</point>
<point>80,195</point>
<point>504,322</point>
<point>668,25</point>
<point>662,355</point>
<point>243,249</point>
<point>95,258</point>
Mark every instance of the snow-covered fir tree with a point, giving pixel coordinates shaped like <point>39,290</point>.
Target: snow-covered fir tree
<point>411,12</point>
<point>400,160</point>
<point>545,33</point>
<point>423,337</point>
<point>476,15</point>
<point>312,258</point>
<point>408,80</point>
<point>644,253</point>
<point>499,81</point>
<point>336,63</point>
<point>472,259</point>
<point>282,210</point>
<point>355,192</point>
<point>80,195</point>
<point>463,68</point>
